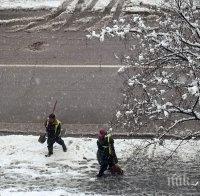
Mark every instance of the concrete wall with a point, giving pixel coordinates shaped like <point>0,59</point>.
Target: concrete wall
<point>86,95</point>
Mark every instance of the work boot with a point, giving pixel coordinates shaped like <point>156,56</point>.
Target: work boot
<point>99,175</point>
<point>49,154</point>
<point>64,148</point>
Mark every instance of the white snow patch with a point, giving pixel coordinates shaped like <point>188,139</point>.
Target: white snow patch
<point>71,6</point>
<point>194,90</point>
<point>24,156</point>
<point>149,2</point>
<point>129,112</point>
<point>166,113</point>
<point>141,57</point>
<point>122,69</point>
<point>29,3</point>
<point>101,4</point>
<point>119,114</point>
<point>131,5</point>
<point>184,96</point>
<point>40,193</point>
<point>135,9</point>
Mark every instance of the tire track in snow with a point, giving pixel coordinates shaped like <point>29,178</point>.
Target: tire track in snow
<point>63,8</point>
<point>118,10</point>
<point>78,6</point>
<point>77,14</point>
<point>91,5</point>
<point>81,14</point>
<point>100,16</point>
<point>74,15</point>
<point>66,3</point>
<point>109,7</point>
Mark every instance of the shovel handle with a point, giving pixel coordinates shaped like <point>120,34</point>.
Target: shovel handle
<point>54,108</point>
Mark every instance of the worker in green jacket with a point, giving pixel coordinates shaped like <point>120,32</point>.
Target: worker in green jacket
<point>53,130</point>
<point>106,152</point>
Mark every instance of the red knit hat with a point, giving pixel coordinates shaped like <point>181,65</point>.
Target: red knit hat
<point>102,133</point>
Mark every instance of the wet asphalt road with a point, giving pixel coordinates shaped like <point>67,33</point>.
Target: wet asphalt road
<point>66,48</point>
<point>85,95</point>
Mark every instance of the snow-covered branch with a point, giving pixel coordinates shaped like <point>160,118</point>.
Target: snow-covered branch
<point>167,62</point>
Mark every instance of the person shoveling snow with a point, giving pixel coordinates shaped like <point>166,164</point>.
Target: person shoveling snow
<point>53,132</point>
<point>106,154</point>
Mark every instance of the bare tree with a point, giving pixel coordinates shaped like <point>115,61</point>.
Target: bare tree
<point>161,79</point>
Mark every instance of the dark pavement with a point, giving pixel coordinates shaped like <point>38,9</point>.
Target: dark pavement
<point>66,48</point>
<point>86,95</point>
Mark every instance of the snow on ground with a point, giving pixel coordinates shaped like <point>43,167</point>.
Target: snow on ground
<point>36,4</point>
<point>24,169</point>
<point>29,3</point>
<point>99,5</point>
<point>71,6</point>
<point>139,5</point>
<point>148,2</point>
<point>134,9</point>
<point>42,193</point>
<point>152,2</point>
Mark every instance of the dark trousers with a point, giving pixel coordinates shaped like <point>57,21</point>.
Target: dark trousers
<point>104,166</point>
<point>51,141</point>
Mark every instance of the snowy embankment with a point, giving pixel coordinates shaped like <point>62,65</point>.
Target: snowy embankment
<point>99,5</point>
<point>26,171</point>
<point>29,4</point>
<point>129,5</point>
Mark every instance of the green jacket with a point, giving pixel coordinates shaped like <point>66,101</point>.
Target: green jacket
<point>53,129</point>
<point>106,146</point>
<point>106,151</point>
